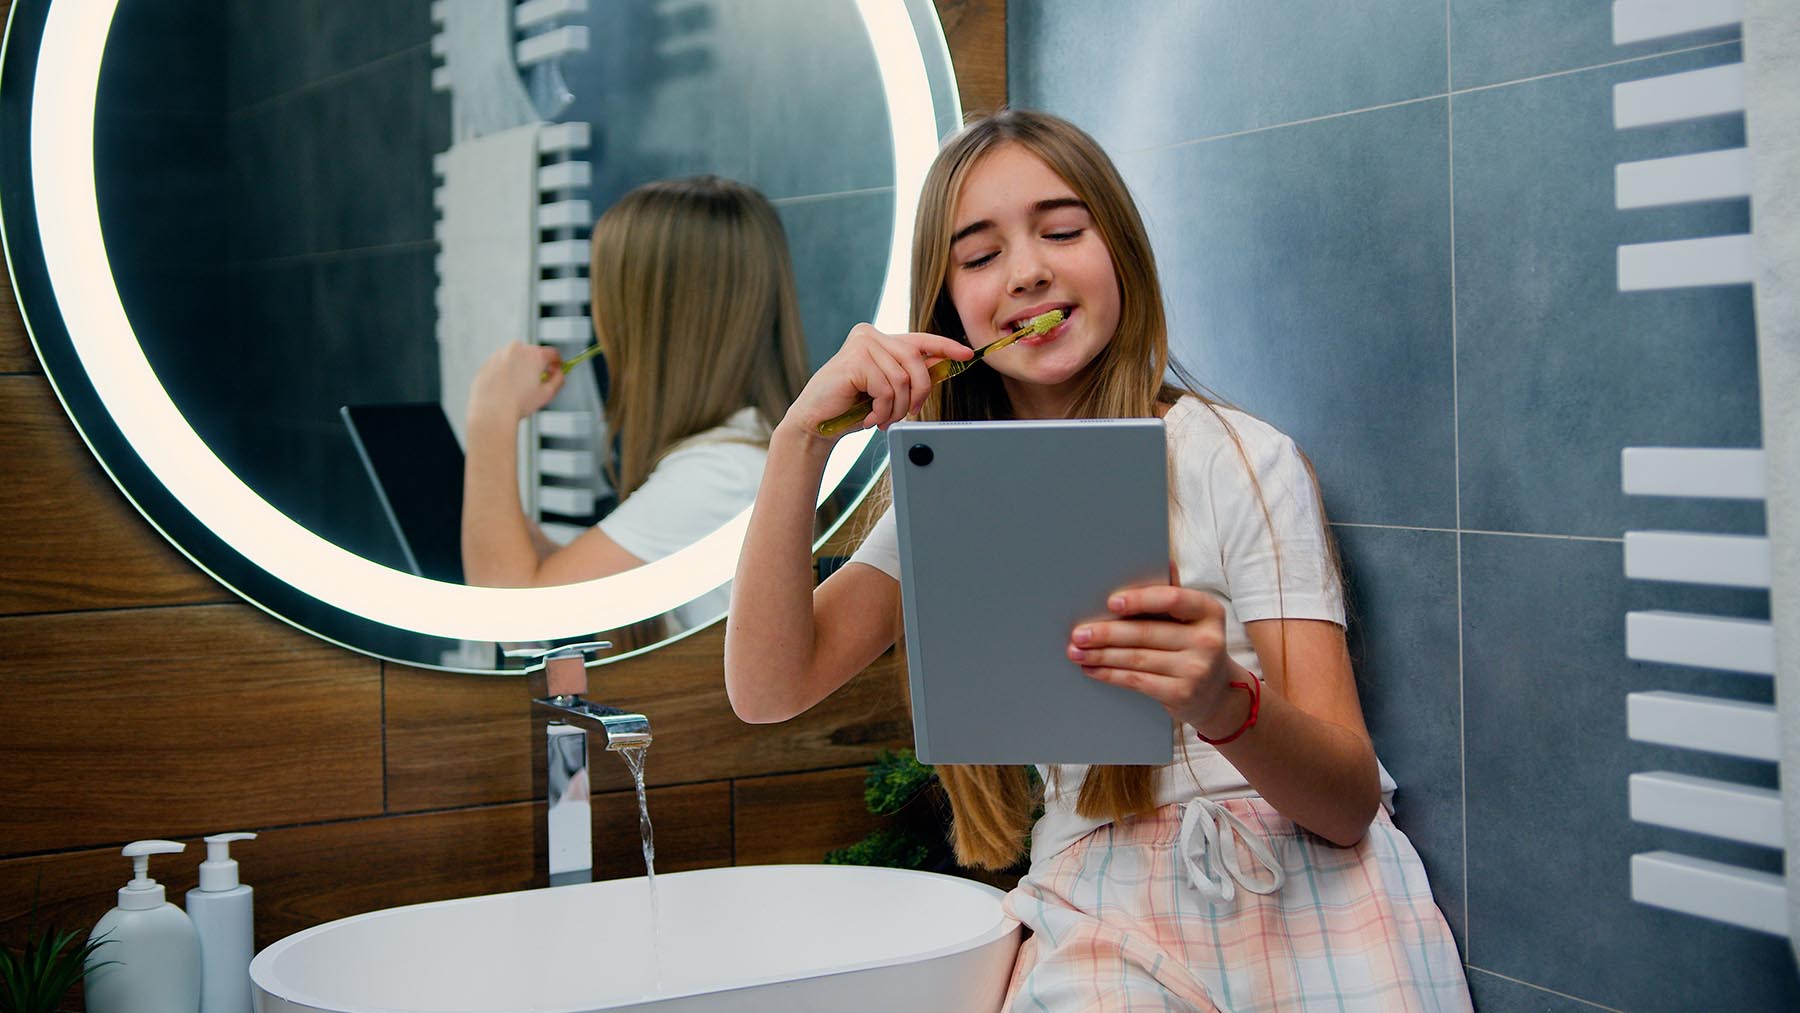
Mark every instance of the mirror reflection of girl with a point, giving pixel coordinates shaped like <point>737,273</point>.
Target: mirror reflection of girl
<point>693,302</point>
<point>1259,869</point>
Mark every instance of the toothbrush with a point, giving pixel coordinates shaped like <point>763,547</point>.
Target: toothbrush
<point>944,370</point>
<point>592,351</point>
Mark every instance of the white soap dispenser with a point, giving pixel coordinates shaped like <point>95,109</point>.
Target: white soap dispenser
<point>151,960</point>
<point>220,908</point>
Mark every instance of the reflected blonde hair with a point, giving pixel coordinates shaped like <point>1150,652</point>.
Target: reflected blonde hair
<point>694,305</point>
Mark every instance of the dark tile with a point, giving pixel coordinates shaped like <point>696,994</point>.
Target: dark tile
<point>1200,69</point>
<point>274,49</point>
<point>818,118</point>
<point>1557,370</point>
<point>160,180</point>
<point>1401,588</point>
<point>1547,758</point>
<point>663,94</point>
<point>271,153</point>
<point>264,51</point>
<point>164,55</point>
<point>1307,276</point>
<point>371,170</point>
<point>343,35</point>
<point>840,251</point>
<point>374,340</point>
<point>1505,40</point>
<point>1494,994</point>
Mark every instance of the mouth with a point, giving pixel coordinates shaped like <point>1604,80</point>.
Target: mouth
<point>1026,317</point>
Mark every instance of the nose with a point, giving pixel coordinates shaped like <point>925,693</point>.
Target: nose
<point>1028,271</point>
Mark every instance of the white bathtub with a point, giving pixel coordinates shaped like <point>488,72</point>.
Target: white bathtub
<point>790,938</point>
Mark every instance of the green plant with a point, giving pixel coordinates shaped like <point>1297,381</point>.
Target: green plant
<point>916,840</point>
<point>36,980</point>
<point>895,778</point>
<point>893,849</point>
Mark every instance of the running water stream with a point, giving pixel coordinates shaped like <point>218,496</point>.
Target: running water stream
<point>634,756</point>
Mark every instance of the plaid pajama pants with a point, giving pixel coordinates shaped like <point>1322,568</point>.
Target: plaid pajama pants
<point>1148,915</point>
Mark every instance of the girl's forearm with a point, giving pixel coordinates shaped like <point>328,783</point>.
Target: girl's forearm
<point>1317,773</point>
<point>769,632</point>
<point>497,545</point>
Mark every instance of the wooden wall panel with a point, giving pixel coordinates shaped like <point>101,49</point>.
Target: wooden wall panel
<point>307,875</point>
<point>16,354</point>
<point>797,818</point>
<point>160,722</point>
<point>976,33</point>
<point>681,689</point>
<point>692,826</point>
<point>456,739</point>
<point>76,543</point>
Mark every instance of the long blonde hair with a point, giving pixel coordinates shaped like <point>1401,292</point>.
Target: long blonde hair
<point>992,805</point>
<point>694,305</point>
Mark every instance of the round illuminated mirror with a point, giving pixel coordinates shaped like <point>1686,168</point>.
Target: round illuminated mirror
<point>262,249</point>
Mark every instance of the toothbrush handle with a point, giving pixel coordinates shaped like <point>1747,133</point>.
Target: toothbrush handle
<point>847,420</point>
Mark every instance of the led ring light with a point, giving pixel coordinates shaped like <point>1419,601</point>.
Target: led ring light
<point>62,160</point>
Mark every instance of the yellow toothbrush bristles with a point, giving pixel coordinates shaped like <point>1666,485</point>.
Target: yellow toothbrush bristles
<point>1040,324</point>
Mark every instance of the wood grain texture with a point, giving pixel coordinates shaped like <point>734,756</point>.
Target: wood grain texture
<point>75,542</point>
<point>692,825</point>
<point>308,875</point>
<point>681,689</point>
<point>194,720</point>
<point>976,33</point>
<point>799,817</point>
<point>16,353</point>
<point>456,739</point>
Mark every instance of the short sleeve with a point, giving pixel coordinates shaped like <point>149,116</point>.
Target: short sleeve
<point>1276,564</point>
<point>881,547</point>
<point>689,494</point>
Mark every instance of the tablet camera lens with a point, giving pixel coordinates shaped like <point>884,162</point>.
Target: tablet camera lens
<point>920,454</point>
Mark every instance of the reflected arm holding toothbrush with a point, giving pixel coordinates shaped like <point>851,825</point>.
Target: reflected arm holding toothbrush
<point>501,546</point>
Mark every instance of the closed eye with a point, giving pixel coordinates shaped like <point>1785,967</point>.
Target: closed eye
<point>978,261</point>
<point>1065,235</point>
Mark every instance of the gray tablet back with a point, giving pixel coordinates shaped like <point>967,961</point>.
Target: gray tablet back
<point>1011,533</point>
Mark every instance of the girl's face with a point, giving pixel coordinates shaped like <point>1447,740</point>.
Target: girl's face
<point>1022,244</point>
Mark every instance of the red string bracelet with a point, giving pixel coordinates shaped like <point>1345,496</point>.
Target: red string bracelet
<point>1255,690</point>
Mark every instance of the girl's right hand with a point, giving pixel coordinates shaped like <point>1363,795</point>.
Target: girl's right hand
<point>509,385</point>
<point>889,369</point>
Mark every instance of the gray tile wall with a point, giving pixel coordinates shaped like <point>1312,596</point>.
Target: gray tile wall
<point>1388,228</point>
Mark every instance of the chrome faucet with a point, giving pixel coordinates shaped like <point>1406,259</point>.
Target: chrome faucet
<point>557,686</point>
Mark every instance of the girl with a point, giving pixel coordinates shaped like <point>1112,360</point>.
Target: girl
<point>1258,869</point>
<point>693,302</point>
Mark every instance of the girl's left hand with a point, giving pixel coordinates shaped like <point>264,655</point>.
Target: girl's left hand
<point>1168,644</point>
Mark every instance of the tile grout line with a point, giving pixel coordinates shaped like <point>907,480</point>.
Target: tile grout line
<point>1478,531</point>
<point>1449,92</point>
<point>1541,988</point>
<point>1462,711</point>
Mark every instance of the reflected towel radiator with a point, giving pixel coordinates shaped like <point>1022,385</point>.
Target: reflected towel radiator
<point>1767,171</point>
<point>564,446</point>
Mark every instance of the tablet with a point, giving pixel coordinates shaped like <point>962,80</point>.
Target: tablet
<point>1010,534</point>
<point>416,466</point>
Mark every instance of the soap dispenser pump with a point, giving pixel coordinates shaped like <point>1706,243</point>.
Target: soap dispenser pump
<point>151,960</point>
<point>220,908</point>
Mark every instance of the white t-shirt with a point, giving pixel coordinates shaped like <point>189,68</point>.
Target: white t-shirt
<point>1222,546</point>
<point>704,481</point>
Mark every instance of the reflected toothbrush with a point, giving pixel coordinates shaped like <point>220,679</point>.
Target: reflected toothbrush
<point>943,370</point>
<point>592,351</point>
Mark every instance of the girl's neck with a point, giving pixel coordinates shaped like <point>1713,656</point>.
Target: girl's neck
<point>1037,401</point>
